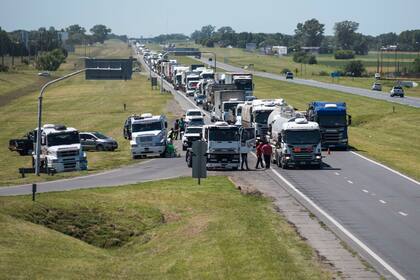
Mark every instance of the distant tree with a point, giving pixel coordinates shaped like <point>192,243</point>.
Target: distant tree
<point>226,36</point>
<point>354,68</point>
<point>4,44</point>
<point>310,33</point>
<point>51,61</point>
<point>360,44</point>
<point>387,39</point>
<point>99,33</point>
<point>345,33</point>
<point>75,29</point>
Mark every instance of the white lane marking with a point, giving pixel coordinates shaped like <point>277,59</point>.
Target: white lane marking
<point>403,214</point>
<point>382,201</point>
<point>387,168</point>
<point>375,256</point>
<point>336,173</point>
<point>350,182</point>
<point>365,191</point>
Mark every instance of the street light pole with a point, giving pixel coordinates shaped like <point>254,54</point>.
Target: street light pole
<point>41,94</point>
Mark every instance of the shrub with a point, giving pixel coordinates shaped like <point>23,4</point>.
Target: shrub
<point>354,68</point>
<point>285,70</point>
<point>312,60</point>
<point>323,73</point>
<point>4,68</point>
<point>300,57</point>
<point>344,54</point>
<point>51,61</point>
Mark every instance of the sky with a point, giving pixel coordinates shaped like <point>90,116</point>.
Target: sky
<point>154,17</point>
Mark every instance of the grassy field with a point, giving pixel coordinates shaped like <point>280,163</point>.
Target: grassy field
<point>326,63</point>
<point>85,105</point>
<point>171,229</point>
<point>391,138</point>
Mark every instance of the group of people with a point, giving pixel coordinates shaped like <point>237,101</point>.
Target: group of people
<point>177,130</point>
<point>264,151</point>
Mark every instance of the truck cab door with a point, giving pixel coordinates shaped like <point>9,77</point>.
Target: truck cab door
<point>248,139</point>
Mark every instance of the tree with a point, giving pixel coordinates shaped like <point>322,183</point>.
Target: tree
<point>51,61</point>
<point>4,44</point>
<point>310,33</point>
<point>344,34</point>
<point>354,68</point>
<point>226,36</point>
<point>100,33</point>
<point>75,29</point>
<point>360,44</point>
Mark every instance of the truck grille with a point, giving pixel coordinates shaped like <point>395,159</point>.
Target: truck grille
<point>303,156</point>
<point>72,153</point>
<point>71,165</point>
<point>330,137</point>
<point>146,139</point>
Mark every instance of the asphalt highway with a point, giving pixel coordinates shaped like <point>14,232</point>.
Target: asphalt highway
<point>407,100</point>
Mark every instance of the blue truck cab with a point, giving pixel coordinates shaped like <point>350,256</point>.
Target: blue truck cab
<point>333,122</point>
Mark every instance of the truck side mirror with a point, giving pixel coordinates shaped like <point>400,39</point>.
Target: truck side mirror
<point>349,120</point>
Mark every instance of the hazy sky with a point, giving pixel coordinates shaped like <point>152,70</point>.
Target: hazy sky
<point>154,17</point>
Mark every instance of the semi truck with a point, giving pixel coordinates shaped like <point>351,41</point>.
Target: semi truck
<point>223,146</point>
<point>190,81</point>
<point>177,72</point>
<point>224,102</point>
<point>61,150</point>
<point>255,114</point>
<point>147,135</point>
<point>333,121</point>
<point>296,141</point>
<point>242,81</point>
<point>209,91</point>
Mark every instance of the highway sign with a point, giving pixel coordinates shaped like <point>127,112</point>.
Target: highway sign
<point>125,67</point>
<point>199,160</point>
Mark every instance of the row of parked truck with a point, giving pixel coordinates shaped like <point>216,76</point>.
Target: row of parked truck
<point>297,137</point>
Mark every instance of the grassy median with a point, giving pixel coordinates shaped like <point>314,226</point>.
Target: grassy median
<point>172,229</point>
<point>85,105</point>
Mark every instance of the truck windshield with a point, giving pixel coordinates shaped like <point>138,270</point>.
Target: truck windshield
<point>207,76</point>
<point>229,106</point>
<point>262,116</point>
<point>142,127</point>
<point>224,135</point>
<point>192,130</point>
<point>244,84</point>
<point>332,121</point>
<point>64,138</point>
<point>194,113</point>
<point>302,137</point>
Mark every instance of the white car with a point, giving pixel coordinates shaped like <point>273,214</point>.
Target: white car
<point>195,121</point>
<point>377,86</point>
<point>192,113</point>
<point>397,91</point>
<point>192,133</point>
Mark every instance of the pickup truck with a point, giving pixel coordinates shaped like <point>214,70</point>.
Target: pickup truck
<point>23,146</point>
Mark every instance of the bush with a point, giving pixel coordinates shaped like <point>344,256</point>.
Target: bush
<point>4,68</point>
<point>323,73</point>
<point>300,57</point>
<point>354,68</point>
<point>51,61</point>
<point>285,70</point>
<point>344,54</point>
<point>312,60</point>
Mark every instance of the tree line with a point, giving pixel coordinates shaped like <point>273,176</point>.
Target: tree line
<point>310,34</point>
<point>47,44</point>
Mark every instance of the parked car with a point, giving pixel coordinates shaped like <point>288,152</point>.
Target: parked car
<point>397,91</point>
<point>44,74</point>
<point>97,141</point>
<point>289,76</point>
<point>377,86</point>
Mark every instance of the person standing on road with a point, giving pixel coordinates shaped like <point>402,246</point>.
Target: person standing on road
<point>181,125</point>
<point>176,129</point>
<point>259,155</point>
<point>244,160</point>
<point>267,150</point>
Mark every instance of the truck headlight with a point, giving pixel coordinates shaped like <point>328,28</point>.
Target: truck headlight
<point>318,156</point>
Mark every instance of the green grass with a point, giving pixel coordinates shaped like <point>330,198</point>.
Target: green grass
<point>85,105</point>
<point>184,231</point>
<point>326,63</point>
<point>391,138</point>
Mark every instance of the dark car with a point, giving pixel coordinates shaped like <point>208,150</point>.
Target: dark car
<point>289,75</point>
<point>199,99</point>
<point>97,141</point>
<point>23,146</point>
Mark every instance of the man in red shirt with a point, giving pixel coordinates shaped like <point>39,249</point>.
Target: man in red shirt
<point>259,155</point>
<point>267,150</point>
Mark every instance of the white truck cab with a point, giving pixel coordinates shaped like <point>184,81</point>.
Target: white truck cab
<point>61,149</point>
<point>147,135</point>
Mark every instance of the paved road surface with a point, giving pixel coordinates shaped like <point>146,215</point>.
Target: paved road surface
<point>408,100</point>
